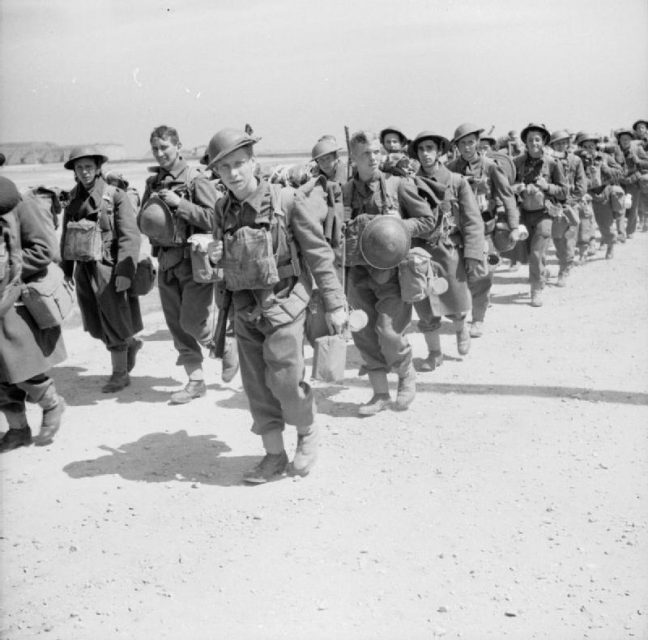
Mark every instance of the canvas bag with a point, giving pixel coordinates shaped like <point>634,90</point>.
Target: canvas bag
<point>49,299</point>
<point>329,358</point>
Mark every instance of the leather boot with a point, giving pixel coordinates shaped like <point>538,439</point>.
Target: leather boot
<point>273,465</point>
<point>536,297</point>
<point>119,378</point>
<point>380,399</point>
<point>53,407</point>
<point>562,279</point>
<point>476,329</point>
<point>406,389</point>
<point>19,434</point>
<point>134,346</point>
<point>192,390</point>
<point>463,336</point>
<point>306,452</point>
<point>609,254</point>
<point>435,356</point>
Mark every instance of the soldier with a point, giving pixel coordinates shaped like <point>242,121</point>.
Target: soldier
<point>396,160</point>
<point>382,342</point>
<point>540,183</point>
<point>634,159</point>
<point>565,227</point>
<point>601,174</point>
<point>269,243</point>
<point>458,247</point>
<point>28,245</point>
<point>103,274</point>
<point>326,155</point>
<point>495,200</point>
<point>487,143</point>
<point>640,127</point>
<point>183,199</point>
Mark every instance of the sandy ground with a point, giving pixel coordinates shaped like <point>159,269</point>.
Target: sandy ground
<point>509,502</point>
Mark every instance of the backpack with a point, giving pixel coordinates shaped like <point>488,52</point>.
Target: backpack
<point>10,262</point>
<point>505,163</point>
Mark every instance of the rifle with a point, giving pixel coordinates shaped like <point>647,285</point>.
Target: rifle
<point>348,146</point>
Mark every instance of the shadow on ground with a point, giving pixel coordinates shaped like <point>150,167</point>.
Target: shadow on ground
<point>167,457</point>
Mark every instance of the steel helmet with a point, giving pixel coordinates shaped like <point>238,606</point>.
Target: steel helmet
<point>619,132</point>
<point>491,138</point>
<point>501,238</point>
<point>85,151</point>
<point>156,221</point>
<point>583,136</point>
<point>324,147</point>
<point>395,130</point>
<point>384,242</point>
<point>533,126</point>
<point>465,129</point>
<point>226,141</point>
<point>557,136</point>
<point>638,122</point>
<point>441,141</point>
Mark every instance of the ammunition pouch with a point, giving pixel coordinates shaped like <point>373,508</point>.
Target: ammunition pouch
<point>279,311</point>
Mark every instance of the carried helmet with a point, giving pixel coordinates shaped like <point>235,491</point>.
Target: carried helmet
<point>226,141</point>
<point>395,130</point>
<point>85,151</point>
<point>442,142</point>
<point>502,240</point>
<point>557,136</point>
<point>156,221</point>
<point>533,126</point>
<point>324,147</point>
<point>9,195</point>
<point>385,242</point>
<point>466,129</point>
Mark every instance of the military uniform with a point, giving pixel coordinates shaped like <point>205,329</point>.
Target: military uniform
<point>382,342</point>
<point>533,208</point>
<point>187,305</point>
<point>269,319</point>
<point>494,194</point>
<point>565,228</point>
<point>27,352</point>
<point>110,316</point>
<point>634,161</point>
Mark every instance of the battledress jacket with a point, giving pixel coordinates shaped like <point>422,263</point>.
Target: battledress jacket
<point>196,209</point>
<point>25,349</point>
<point>468,242</point>
<point>107,315</point>
<point>306,230</point>
<point>495,184</point>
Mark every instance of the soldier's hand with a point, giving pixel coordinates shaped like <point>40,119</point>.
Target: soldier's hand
<point>514,235</point>
<point>69,280</point>
<point>200,241</point>
<point>215,251</point>
<point>336,320</point>
<point>122,283</point>
<point>170,197</point>
<point>542,183</point>
<point>476,268</point>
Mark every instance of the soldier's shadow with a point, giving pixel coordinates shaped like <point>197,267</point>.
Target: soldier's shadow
<point>511,298</point>
<point>167,457</point>
<point>80,389</point>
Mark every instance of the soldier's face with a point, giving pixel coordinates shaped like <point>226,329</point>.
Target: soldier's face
<point>535,142</point>
<point>590,145</point>
<point>485,145</point>
<point>641,129</point>
<point>625,140</point>
<point>427,152</point>
<point>467,146</point>
<point>327,163</point>
<point>392,142</point>
<point>367,159</point>
<point>560,145</point>
<point>85,170</point>
<point>236,170</point>
<point>165,152</point>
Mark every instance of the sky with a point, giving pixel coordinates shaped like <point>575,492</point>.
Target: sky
<point>83,71</point>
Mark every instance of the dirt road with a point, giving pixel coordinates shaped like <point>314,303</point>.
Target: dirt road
<point>509,502</point>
